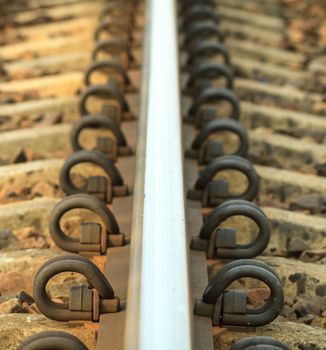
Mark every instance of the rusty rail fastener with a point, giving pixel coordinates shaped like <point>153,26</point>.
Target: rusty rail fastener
<point>198,13</point>
<point>54,340</point>
<point>221,243</point>
<point>206,149</point>
<point>259,343</point>
<point>113,66</point>
<point>111,91</point>
<point>214,192</point>
<point>115,27</point>
<point>229,307</point>
<point>113,147</point>
<point>205,72</point>
<point>86,302</point>
<point>94,238</point>
<point>114,47</point>
<point>202,30</point>
<point>207,49</point>
<point>99,186</point>
<point>214,95</point>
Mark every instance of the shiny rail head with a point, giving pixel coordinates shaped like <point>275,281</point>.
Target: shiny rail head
<point>161,270</point>
<point>54,340</point>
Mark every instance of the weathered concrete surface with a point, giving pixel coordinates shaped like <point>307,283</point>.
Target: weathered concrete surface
<point>265,53</point>
<point>19,176</point>
<point>294,123</point>
<point>251,32</point>
<point>18,114</point>
<point>89,9</point>
<point>14,328</point>
<point>270,7</point>
<point>269,73</point>
<point>12,9</point>
<point>25,225</point>
<point>285,152</point>
<point>280,186</point>
<point>69,17</point>
<point>17,269</point>
<point>280,96</point>
<point>296,336</point>
<point>293,233</point>
<point>285,268</point>
<point>64,39</point>
<point>52,64</point>
<point>54,140</point>
<point>42,48</point>
<point>66,84</point>
<point>47,65</point>
<point>258,20</point>
<point>24,214</point>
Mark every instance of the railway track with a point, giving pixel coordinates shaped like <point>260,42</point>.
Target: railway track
<point>162,180</point>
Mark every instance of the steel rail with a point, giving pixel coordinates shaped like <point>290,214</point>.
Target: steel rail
<point>159,314</point>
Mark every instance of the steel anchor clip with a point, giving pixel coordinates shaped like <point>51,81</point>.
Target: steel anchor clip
<point>112,147</point>
<point>87,302</point>
<point>259,343</point>
<point>54,340</point>
<point>229,307</point>
<point>94,237</point>
<point>205,149</point>
<point>98,186</point>
<point>220,243</point>
<point>213,192</point>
